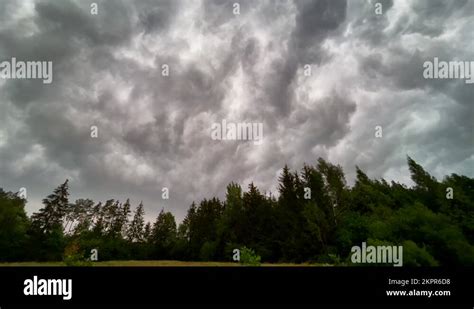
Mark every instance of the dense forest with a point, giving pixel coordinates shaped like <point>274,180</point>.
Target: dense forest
<point>317,217</point>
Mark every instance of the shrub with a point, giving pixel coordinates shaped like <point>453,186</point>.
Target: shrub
<point>249,257</point>
<point>74,257</point>
<point>417,256</point>
<point>207,251</point>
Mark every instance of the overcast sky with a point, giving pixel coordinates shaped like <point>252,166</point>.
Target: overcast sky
<point>155,130</point>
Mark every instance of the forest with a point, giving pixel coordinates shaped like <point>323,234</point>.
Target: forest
<point>316,218</point>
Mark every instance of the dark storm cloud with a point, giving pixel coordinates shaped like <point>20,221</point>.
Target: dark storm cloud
<point>315,20</point>
<point>154,131</point>
<point>159,17</point>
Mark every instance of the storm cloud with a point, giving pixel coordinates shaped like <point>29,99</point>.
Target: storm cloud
<point>366,70</point>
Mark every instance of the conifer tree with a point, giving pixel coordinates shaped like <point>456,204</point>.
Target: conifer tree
<point>135,232</point>
<point>51,216</point>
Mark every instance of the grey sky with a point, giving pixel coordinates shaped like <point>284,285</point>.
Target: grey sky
<point>155,131</point>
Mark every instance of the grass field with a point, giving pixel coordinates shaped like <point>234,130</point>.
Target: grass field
<point>133,263</point>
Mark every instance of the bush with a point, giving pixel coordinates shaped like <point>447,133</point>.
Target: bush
<point>416,256</point>
<point>74,257</point>
<point>207,251</point>
<point>330,258</point>
<point>249,257</point>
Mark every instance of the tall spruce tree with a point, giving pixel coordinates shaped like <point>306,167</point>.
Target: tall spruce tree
<point>147,232</point>
<point>163,235</point>
<point>51,216</point>
<point>135,232</point>
<point>47,231</point>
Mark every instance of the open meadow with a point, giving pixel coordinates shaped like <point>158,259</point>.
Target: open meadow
<point>163,263</point>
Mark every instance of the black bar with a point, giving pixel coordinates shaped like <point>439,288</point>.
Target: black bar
<point>237,285</point>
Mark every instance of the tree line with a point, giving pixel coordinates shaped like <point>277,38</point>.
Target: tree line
<point>317,217</point>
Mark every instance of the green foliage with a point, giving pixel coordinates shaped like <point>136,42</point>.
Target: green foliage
<point>46,232</point>
<point>135,232</point>
<point>433,229</point>
<point>202,225</point>
<point>248,257</point>
<point>51,216</point>
<point>330,258</point>
<point>416,256</point>
<point>208,250</point>
<point>74,256</point>
<point>163,236</point>
<point>13,227</point>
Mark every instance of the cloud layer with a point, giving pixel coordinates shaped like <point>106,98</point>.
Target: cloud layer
<point>155,130</point>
